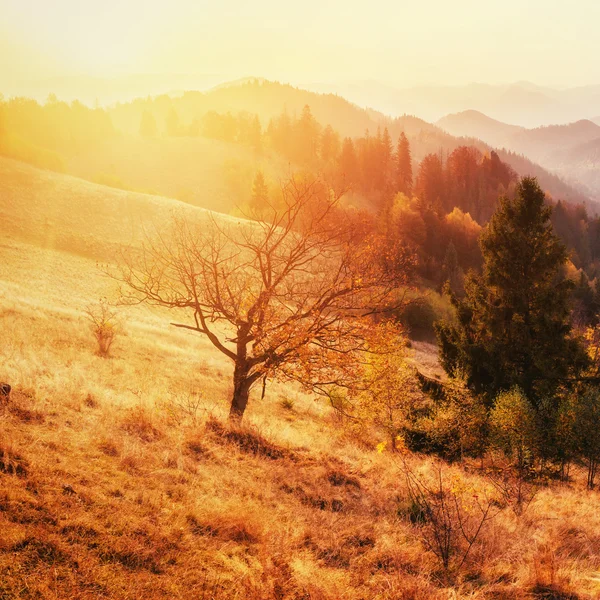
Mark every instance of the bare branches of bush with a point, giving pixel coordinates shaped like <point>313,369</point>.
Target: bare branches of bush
<point>105,325</point>
<point>449,515</point>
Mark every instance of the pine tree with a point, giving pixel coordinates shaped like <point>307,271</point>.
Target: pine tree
<point>306,137</point>
<point>451,273</point>
<point>255,134</point>
<point>386,152</point>
<point>513,326</point>
<point>430,186</point>
<point>348,164</point>
<point>260,193</point>
<point>404,176</point>
<point>330,145</point>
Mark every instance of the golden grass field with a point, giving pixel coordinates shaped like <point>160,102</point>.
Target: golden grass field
<point>119,477</point>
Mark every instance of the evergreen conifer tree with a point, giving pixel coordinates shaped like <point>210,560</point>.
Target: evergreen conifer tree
<point>404,176</point>
<point>513,327</point>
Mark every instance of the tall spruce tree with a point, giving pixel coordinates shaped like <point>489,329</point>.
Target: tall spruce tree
<point>513,326</point>
<point>404,175</point>
<point>260,193</point>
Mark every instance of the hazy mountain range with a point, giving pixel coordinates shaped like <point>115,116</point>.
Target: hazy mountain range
<point>522,103</point>
<point>269,99</point>
<point>571,151</point>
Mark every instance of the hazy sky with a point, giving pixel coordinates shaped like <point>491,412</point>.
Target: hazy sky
<point>402,43</point>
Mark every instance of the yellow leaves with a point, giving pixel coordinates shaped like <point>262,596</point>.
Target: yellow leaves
<point>381,447</point>
<point>591,337</point>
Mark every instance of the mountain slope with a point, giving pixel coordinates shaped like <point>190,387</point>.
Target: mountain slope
<point>537,143</point>
<point>581,163</point>
<point>472,123</point>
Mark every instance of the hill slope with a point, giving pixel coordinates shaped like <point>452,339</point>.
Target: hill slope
<point>537,143</point>
<point>119,478</point>
<point>61,212</point>
<point>564,150</point>
<point>472,123</point>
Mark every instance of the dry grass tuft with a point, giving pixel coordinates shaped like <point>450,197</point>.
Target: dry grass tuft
<point>140,423</point>
<point>12,462</point>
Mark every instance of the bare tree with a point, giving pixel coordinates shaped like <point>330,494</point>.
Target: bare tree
<point>288,296</point>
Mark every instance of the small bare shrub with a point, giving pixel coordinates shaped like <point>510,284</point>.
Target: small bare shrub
<point>449,516</point>
<point>516,487</point>
<point>546,580</point>
<point>105,325</point>
<point>109,448</point>
<point>186,407</point>
<point>91,401</point>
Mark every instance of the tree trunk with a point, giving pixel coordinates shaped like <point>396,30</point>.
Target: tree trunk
<point>241,391</point>
<point>592,468</point>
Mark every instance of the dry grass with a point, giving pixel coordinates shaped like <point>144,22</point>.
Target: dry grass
<point>120,479</point>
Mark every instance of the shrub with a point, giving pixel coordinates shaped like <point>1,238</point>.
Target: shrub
<point>587,432</point>
<point>105,325</point>
<point>514,488</point>
<point>458,426</point>
<point>11,462</point>
<point>139,422</point>
<point>514,427</point>
<point>449,516</point>
<point>185,407</point>
<point>287,403</point>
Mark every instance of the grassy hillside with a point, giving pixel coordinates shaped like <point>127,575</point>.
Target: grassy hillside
<point>120,479</point>
<point>61,212</point>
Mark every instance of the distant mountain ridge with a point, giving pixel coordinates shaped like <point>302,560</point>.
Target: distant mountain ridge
<point>472,123</point>
<point>570,151</point>
<point>522,103</point>
<point>267,100</point>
